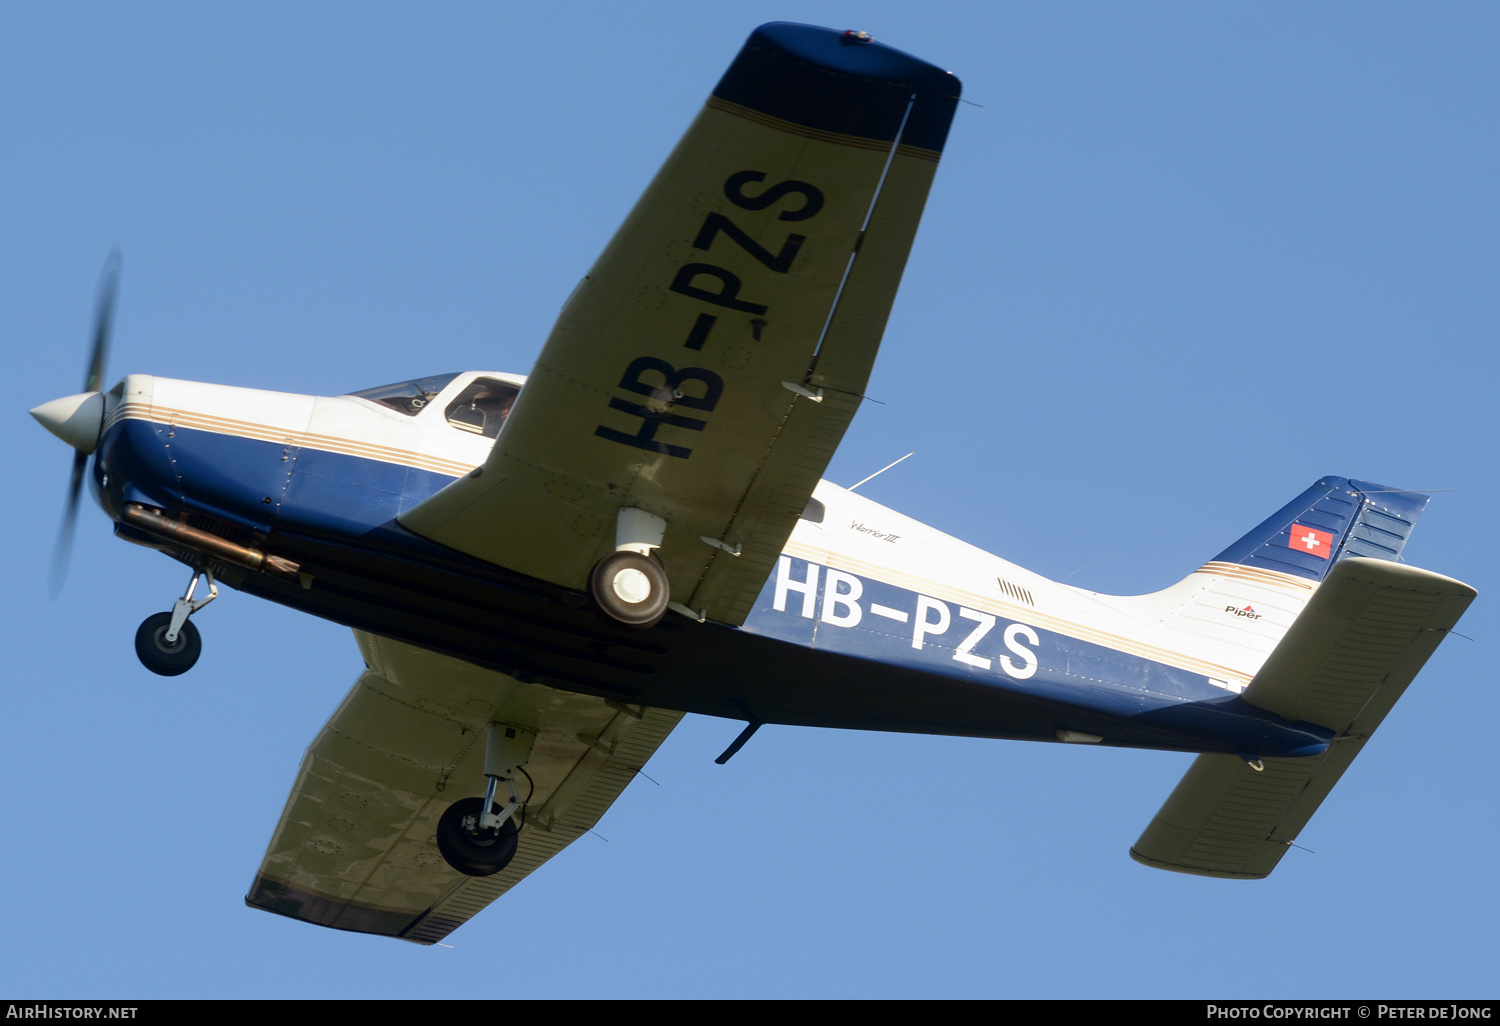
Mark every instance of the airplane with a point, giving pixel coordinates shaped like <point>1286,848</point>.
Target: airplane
<point>545,573</point>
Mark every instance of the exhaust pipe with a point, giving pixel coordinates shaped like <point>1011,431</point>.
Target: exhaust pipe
<point>178,533</point>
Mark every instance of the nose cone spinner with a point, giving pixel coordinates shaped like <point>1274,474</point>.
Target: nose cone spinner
<point>76,419</point>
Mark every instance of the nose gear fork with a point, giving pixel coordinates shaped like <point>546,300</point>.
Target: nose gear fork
<point>186,606</point>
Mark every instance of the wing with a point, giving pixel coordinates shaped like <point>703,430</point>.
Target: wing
<point>707,366</point>
<point>355,846</point>
<point>1367,631</point>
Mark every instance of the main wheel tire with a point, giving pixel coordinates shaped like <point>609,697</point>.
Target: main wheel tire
<point>475,852</point>
<point>630,589</point>
<point>160,657</point>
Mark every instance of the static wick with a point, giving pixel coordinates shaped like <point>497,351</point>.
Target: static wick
<point>882,470</point>
<point>858,395</point>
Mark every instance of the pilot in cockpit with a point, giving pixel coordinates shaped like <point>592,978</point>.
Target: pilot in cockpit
<point>483,407</point>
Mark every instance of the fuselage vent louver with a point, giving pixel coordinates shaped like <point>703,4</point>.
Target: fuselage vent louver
<point>1019,594</point>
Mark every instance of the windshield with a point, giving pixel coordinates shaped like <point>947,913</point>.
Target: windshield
<point>408,397</point>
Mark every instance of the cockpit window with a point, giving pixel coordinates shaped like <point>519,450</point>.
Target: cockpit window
<point>408,397</point>
<point>483,406</point>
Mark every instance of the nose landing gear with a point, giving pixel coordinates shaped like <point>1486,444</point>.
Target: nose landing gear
<point>168,658</point>
<point>166,643</point>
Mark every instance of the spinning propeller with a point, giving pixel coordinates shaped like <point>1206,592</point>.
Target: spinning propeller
<point>78,419</point>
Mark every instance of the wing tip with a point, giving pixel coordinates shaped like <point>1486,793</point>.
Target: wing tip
<point>836,82</point>
<point>1404,576</point>
<point>1178,867</point>
<point>283,899</point>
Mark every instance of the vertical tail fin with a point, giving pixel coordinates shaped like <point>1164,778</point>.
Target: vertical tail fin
<point>1334,519</point>
<point>1234,609</point>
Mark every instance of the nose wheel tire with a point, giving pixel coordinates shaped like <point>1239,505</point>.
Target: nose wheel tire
<point>472,851</point>
<point>630,589</point>
<point>160,656</point>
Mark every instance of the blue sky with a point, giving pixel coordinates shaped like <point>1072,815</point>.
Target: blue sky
<point>1180,260</point>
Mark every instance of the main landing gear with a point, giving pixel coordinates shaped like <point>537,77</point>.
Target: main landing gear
<point>477,836</point>
<point>166,642</point>
<point>629,586</point>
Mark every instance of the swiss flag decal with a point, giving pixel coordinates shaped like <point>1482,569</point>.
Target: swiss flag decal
<point>1310,539</point>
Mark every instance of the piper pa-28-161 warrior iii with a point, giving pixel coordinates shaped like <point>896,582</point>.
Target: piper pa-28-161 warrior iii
<point>538,570</point>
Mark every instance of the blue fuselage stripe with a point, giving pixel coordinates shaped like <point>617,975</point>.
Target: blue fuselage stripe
<point>275,490</point>
<point>860,616</point>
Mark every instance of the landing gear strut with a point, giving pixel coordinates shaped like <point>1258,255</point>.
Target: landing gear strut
<point>167,643</point>
<point>476,836</point>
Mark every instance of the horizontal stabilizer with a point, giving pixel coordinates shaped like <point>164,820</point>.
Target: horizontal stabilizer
<point>1364,635</point>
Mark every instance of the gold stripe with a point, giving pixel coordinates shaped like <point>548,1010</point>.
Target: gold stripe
<point>301,439</point>
<point>875,571</point>
<point>836,138</point>
<point>1027,615</point>
<point>1256,575</point>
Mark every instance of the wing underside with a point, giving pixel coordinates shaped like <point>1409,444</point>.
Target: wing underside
<point>707,366</point>
<point>355,847</point>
